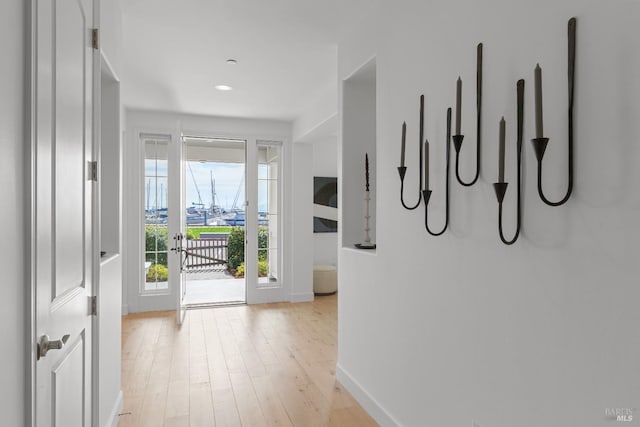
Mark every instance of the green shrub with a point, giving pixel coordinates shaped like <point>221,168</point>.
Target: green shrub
<point>153,234</point>
<point>157,273</point>
<point>235,249</point>
<point>240,271</point>
<point>263,269</point>
<point>263,243</point>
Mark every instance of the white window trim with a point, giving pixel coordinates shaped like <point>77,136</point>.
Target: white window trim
<point>280,225</point>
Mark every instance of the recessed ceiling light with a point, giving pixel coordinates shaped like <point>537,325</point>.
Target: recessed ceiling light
<point>231,61</point>
<point>223,87</point>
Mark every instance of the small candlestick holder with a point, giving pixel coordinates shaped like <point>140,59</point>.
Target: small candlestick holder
<point>402,170</point>
<point>366,244</point>
<point>501,187</point>
<point>426,193</point>
<point>457,139</point>
<point>540,144</point>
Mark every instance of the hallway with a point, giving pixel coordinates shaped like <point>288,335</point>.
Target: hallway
<point>246,365</point>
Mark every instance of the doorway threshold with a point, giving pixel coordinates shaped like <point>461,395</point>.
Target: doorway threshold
<point>214,305</point>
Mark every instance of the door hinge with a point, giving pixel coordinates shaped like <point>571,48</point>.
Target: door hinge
<point>93,171</point>
<point>95,38</point>
<point>94,305</point>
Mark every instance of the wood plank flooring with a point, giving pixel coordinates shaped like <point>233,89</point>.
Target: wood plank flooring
<point>258,365</point>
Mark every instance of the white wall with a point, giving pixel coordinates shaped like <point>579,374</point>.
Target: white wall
<point>319,110</point>
<point>302,207</point>
<point>443,331</point>
<point>13,297</point>
<point>166,123</point>
<point>317,125</point>
<point>111,33</point>
<point>325,163</point>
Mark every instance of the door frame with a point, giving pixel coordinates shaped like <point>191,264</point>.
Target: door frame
<point>105,68</point>
<point>254,294</point>
<point>182,228</point>
<point>30,135</point>
<point>30,179</point>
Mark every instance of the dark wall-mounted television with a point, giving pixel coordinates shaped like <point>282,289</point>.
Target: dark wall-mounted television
<point>325,195</point>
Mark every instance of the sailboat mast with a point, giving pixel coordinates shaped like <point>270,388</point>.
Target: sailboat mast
<point>213,191</point>
<point>195,184</point>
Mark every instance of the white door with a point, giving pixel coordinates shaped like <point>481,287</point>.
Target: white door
<point>64,256</point>
<point>178,226</point>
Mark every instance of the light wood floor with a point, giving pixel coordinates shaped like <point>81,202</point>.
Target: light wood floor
<point>258,365</point>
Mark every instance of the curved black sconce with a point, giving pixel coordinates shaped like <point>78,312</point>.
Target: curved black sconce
<point>540,142</point>
<point>426,193</point>
<point>457,139</point>
<point>402,170</point>
<point>501,186</point>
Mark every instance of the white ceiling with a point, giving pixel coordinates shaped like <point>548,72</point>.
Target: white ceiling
<point>176,51</point>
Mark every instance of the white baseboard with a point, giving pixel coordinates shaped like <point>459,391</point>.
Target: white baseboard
<point>302,297</point>
<point>125,309</point>
<point>373,408</point>
<point>114,418</point>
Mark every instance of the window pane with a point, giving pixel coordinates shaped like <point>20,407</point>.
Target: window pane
<point>156,200</point>
<point>263,171</point>
<point>162,167</point>
<point>268,208</point>
<point>263,196</point>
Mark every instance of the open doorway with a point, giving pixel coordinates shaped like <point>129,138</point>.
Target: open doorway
<point>214,221</point>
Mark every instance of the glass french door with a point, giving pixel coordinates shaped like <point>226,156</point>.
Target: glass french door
<point>180,237</point>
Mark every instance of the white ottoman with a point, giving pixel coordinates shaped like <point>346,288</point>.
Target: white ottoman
<point>325,279</point>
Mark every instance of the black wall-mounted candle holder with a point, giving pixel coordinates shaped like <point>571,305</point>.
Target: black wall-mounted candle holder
<point>402,170</point>
<point>426,193</point>
<point>501,187</point>
<point>457,139</point>
<point>540,143</point>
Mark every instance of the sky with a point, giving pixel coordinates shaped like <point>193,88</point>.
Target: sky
<point>228,178</point>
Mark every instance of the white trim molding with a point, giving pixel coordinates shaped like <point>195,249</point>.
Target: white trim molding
<point>302,297</point>
<point>114,418</point>
<point>368,402</point>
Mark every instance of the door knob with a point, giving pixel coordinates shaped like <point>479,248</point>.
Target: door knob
<point>44,345</point>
